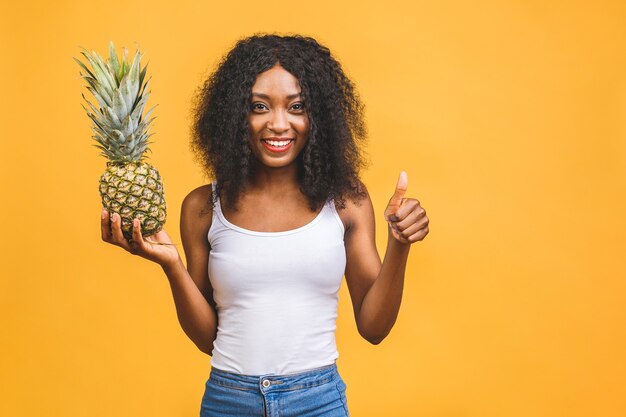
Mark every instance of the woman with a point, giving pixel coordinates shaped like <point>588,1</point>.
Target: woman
<point>267,243</point>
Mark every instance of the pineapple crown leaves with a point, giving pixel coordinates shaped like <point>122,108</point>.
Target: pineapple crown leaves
<point>120,128</point>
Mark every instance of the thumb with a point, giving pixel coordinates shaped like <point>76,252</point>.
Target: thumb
<point>401,186</point>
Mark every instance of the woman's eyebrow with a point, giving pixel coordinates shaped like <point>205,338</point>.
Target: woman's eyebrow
<point>265,96</point>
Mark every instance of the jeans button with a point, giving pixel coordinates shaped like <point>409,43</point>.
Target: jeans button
<point>266,383</point>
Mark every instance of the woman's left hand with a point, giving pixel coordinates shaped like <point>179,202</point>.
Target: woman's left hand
<point>406,217</point>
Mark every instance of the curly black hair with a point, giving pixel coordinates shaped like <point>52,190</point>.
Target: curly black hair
<point>330,162</point>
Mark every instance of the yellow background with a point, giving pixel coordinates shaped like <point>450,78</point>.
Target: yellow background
<point>510,119</point>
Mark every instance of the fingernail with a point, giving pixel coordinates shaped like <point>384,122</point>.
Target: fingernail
<point>114,217</point>
<point>136,223</point>
<point>104,213</point>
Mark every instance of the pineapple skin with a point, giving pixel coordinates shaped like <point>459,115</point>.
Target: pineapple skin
<point>134,190</point>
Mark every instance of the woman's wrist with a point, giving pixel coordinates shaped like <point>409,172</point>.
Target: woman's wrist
<point>170,266</point>
<point>393,241</point>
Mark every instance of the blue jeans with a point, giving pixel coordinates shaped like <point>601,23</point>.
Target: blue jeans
<point>315,392</point>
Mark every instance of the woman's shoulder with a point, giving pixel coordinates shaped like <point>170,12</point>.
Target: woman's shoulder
<point>355,207</point>
<point>195,223</point>
<point>199,202</point>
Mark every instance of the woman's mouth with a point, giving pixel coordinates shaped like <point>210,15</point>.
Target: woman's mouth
<point>277,145</point>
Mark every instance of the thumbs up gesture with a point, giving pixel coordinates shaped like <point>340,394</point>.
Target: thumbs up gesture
<point>406,218</point>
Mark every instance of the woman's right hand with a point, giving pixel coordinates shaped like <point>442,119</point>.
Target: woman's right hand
<point>157,247</point>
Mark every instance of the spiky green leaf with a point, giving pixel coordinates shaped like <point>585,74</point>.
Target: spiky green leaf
<point>101,101</point>
<point>93,108</point>
<point>138,110</point>
<point>84,67</point>
<point>142,76</point>
<point>119,105</point>
<point>145,88</point>
<point>100,71</point>
<point>112,118</point>
<point>127,93</point>
<point>127,126</point>
<point>120,129</point>
<point>115,64</point>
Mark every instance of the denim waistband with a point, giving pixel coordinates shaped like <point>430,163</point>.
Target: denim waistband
<point>272,382</point>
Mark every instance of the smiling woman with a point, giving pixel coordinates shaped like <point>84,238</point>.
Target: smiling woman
<point>226,107</point>
<point>269,240</point>
<point>278,123</point>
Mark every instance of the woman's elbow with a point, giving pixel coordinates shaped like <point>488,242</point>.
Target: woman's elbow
<point>376,341</point>
<point>373,339</point>
<point>205,348</point>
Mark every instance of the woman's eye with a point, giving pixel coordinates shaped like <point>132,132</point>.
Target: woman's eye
<point>260,107</point>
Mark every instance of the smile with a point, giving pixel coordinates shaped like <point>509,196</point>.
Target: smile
<point>277,145</point>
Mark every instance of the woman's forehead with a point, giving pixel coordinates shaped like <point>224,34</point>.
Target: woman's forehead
<point>269,96</point>
<point>276,83</point>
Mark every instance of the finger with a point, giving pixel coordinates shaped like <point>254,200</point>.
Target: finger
<point>411,217</point>
<point>137,242</point>
<point>419,235</point>
<point>116,231</point>
<point>105,227</point>
<point>408,206</point>
<point>411,230</point>
<point>398,236</point>
<point>401,187</point>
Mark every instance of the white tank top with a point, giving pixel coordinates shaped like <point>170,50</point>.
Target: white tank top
<point>276,294</point>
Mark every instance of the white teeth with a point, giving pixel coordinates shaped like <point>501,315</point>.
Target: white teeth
<point>278,144</point>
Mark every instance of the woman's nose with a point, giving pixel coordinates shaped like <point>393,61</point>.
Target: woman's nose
<point>278,121</point>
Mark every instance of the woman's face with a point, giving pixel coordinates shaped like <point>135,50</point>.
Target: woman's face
<point>278,123</point>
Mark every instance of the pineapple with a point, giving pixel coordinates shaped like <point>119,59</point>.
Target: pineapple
<point>130,186</point>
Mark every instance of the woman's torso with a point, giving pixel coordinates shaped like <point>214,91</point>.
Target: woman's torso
<point>276,292</point>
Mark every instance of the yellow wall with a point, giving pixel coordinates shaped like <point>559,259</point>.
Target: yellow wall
<point>510,119</point>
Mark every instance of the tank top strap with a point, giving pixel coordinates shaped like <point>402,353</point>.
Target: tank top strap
<point>213,185</point>
<point>328,206</point>
<point>331,206</point>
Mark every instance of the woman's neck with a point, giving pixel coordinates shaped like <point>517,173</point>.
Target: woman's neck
<point>274,180</point>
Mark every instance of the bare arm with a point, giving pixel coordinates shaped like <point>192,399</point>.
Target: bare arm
<point>197,316</point>
<point>190,287</point>
<point>375,287</point>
